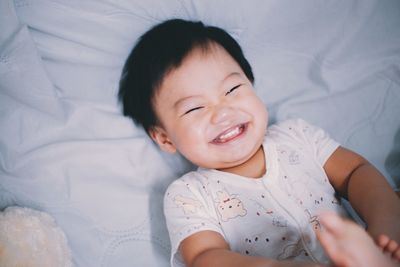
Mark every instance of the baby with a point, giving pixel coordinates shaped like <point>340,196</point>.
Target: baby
<point>256,197</point>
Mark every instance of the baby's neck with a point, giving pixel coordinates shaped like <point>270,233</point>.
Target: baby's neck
<point>252,168</point>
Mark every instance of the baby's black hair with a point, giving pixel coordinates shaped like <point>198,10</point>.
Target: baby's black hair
<point>160,50</point>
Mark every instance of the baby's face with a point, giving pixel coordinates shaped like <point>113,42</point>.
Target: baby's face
<point>209,112</point>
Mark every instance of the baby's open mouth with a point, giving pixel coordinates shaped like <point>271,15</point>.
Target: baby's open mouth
<point>230,134</point>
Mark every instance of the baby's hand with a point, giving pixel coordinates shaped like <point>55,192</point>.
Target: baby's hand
<point>386,235</point>
<point>348,245</point>
<point>389,246</point>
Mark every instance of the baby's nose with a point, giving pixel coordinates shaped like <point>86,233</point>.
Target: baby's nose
<point>222,115</point>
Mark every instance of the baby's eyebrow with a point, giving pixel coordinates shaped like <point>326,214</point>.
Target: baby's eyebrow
<point>183,99</point>
<point>233,74</point>
<point>229,77</point>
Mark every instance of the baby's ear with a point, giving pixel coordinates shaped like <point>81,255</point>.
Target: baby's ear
<point>160,136</point>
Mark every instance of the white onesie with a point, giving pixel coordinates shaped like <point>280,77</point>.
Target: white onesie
<point>274,216</point>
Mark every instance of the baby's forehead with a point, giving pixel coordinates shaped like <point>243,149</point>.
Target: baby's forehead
<point>203,49</point>
<point>206,50</point>
<point>197,50</point>
<point>197,58</point>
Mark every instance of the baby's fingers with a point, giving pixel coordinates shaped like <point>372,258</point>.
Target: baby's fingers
<point>392,246</point>
<point>396,255</point>
<point>383,241</point>
<point>389,246</point>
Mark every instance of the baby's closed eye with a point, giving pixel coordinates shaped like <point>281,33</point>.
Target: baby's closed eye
<point>233,89</point>
<point>192,109</point>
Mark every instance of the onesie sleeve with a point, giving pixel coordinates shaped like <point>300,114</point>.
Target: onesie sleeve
<point>188,210</point>
<point>315,138</point>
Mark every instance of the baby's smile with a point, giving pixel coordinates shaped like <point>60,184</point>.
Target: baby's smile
<point>230,134</point>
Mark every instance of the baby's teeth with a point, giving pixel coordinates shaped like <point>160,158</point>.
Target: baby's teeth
<point>230,134</point>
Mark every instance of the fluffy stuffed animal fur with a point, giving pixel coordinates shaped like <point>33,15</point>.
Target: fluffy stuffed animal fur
<point>30,238</point>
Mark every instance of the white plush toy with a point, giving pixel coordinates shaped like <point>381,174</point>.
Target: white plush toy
<point>31,238</point>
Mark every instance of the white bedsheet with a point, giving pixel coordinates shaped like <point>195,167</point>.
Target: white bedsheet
<point>67,150</point>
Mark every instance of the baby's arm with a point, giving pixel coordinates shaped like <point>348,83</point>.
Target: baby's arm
<point>368,192</point>
<point>208,248</point>
<point>348,245</point>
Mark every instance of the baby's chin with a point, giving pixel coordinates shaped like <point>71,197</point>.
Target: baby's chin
<point>228,161</point>
<point>221,165</point>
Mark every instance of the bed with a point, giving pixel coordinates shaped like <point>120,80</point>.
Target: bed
<point>66,149</point>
